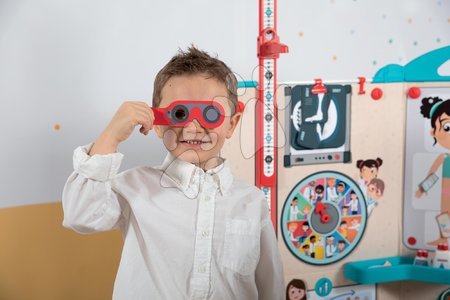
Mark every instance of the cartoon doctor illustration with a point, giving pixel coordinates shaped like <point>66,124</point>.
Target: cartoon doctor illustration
<point>438,111</point>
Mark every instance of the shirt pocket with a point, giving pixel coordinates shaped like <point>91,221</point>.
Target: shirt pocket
<point>241,245</point>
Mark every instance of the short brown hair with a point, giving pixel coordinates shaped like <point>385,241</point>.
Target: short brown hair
<point>195,61</point>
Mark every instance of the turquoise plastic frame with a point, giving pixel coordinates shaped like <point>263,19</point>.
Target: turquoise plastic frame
<point>402,268</point>
<point>423,68</point>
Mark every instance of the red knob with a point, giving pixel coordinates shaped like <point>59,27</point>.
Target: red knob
<point>412,240</point>
<point>414,92</point>
<point>376,94</point>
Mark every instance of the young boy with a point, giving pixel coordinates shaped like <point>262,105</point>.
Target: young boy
<point>191,230</point>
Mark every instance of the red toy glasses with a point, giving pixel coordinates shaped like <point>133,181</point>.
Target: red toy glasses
<point>209,114</point>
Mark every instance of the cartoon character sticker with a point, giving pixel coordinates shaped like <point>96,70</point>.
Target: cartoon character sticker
<point>368,181</point>
<point>296,290</point>
<point>375,191</point>
<point>438,111</point>
<point>368,170</point>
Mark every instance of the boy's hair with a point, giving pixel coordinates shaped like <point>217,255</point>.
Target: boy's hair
<point>195,61</point>
<point>378,183</point>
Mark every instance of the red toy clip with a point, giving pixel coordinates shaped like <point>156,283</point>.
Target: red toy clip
<point>318,88</point>
<point>376,94</point>
<point>361,82</point>
<point>320,209</point>
<point>240,107</point>
<point>269,45</point>
<point>414,92</point>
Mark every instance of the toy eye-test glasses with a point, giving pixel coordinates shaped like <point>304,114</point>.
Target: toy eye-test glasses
<point>209,114</point>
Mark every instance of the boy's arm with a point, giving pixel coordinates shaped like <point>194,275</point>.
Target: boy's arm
<point>269,272</point>
<point>89,203</point>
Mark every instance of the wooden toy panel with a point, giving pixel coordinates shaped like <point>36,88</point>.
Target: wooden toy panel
<point>377,130</point>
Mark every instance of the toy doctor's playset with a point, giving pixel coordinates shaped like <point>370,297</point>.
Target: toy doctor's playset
<point>357,175</point>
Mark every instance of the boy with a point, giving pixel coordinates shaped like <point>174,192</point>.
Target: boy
<point>354,203</point>
<point>331,189</point>
<point>312,246</point>
<point>375,190</point>
<point>341,246</point>
<point>343,229</point>
<point>191,230</point>
<point>330,249</point>
<point>306,231</point>
<point>293,212</point>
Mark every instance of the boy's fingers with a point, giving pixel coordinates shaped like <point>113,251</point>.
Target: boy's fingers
<point>143,130</point>
<point>144,120</point>
<point>142,114</point>
<point>143,106</point>
<point>145,109</point>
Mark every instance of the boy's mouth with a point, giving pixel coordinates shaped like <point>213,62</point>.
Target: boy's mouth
<point>194,142</point>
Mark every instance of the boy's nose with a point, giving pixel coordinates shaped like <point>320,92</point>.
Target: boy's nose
<point>193,126</point>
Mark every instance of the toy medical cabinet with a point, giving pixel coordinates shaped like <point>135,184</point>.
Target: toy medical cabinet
<point>346,161</point>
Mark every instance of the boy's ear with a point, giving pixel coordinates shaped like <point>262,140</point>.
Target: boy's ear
<point>234,120</point>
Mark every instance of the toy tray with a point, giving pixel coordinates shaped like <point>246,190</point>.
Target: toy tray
<point>402,268</point>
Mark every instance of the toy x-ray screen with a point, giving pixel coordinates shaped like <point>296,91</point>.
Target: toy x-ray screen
<point>317,125</point>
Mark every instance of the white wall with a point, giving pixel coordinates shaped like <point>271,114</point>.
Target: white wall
<point>72,63</point>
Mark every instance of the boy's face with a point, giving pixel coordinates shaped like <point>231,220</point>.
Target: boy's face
<point>374,192</point>
<point>208,143</point>
<point>331,181</point>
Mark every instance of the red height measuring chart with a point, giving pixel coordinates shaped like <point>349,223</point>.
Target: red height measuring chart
<point>269,49</point>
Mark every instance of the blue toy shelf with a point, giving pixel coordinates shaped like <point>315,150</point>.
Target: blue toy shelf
<point>401,268</point>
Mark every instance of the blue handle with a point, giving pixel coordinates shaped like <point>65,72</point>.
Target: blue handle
<point>425,67</point>
<point>422,68</point>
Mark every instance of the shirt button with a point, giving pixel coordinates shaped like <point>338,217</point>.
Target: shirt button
<point>205,233</point>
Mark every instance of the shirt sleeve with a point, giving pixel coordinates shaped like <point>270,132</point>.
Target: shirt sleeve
<point>269,272</point>
<point>89,203</point>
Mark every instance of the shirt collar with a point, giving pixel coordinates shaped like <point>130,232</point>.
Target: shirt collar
<point>188,176</point>
<point>371,201</point>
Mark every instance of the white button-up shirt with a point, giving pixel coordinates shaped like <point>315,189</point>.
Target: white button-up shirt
<point>188,234</point>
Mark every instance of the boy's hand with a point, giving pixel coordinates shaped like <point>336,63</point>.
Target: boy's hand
<point>127,117</point>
